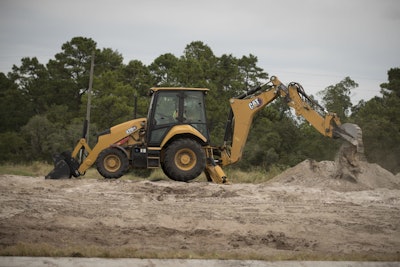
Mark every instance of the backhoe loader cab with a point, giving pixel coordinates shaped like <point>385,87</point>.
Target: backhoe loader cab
<point>177,131</point>
<point>175,110</point>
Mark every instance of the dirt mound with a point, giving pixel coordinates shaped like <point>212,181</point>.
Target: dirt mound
<point>335,176</point>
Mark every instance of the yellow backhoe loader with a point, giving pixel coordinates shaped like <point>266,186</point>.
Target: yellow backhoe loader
<point>175,137</point>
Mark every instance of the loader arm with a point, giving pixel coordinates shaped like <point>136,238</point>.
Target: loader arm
<point>107,139</point>
<point>75,164</point>
<point>245,106</point>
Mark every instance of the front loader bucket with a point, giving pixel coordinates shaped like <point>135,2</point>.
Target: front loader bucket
<point>64,167</point>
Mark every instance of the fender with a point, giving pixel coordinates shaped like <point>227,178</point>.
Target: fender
<point>182,129</point>
<point>122,149</point>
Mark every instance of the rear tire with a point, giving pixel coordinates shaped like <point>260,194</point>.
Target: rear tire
<point>184,160</point>
<point>112,163</point>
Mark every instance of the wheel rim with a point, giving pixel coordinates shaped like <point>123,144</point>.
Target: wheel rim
<point>112,163</point>
<point>185,159</point>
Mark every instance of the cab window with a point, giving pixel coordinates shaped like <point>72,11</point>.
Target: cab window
<point>194,111</point>
<point>166,108</point>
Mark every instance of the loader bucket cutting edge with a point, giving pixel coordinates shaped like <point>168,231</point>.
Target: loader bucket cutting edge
<point>64,167</point>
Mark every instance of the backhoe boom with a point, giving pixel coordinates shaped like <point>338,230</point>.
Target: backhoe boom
<point>244,107</point>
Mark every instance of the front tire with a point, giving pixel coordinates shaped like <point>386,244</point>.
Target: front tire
<point>184,160</point>
<point>112,163</point>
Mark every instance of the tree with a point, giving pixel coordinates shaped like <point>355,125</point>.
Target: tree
<point>138,76</point>
<point>15,107</point>
<point>199,51</point>
<point>379,118</point>
<point>13,147</point>
<point>311,144</point>
<point>112,101</point>
<point>37,133</point>
<point>69,72</point>
<point>33,83</point>
<point>196,66</point>
<point>393,86</point>
<point>250,73</point>
<point>227,76</point>
<point>336,98</point>
<point>107,60</point>
<point>164,70</point>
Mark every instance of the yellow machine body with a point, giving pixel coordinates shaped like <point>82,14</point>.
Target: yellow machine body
<point>175,136</point>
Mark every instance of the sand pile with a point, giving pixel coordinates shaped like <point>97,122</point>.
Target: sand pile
<point>335,176</point>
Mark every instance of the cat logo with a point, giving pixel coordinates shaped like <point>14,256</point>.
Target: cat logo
<point>131,130</point>
<point>255,103</point>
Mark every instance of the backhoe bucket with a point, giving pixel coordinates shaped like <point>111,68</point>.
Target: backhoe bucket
<point>64,167</point>
<point>353,134</point>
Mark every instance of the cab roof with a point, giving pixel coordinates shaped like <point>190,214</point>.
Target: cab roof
<point>154,89</point>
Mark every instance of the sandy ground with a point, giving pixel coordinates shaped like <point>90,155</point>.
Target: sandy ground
<point>102,262</point>
<point>307,211</point>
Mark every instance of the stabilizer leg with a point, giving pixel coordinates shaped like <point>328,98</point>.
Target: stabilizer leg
<point>215,173</point>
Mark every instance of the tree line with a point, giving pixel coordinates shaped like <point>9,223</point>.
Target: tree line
<point>42,107</point>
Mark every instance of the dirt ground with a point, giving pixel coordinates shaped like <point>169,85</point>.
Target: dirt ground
<point>306,212</point>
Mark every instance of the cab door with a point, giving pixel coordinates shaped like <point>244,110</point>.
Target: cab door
<point>162,115</point>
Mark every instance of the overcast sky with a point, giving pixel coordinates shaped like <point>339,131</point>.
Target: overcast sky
<point>314,42</point>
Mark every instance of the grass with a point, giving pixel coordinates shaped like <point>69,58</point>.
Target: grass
<point>46,250</point>
<point>255,176</point>
<point>234,175</point>
<point>42,169</point>
<point>31,169</point>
